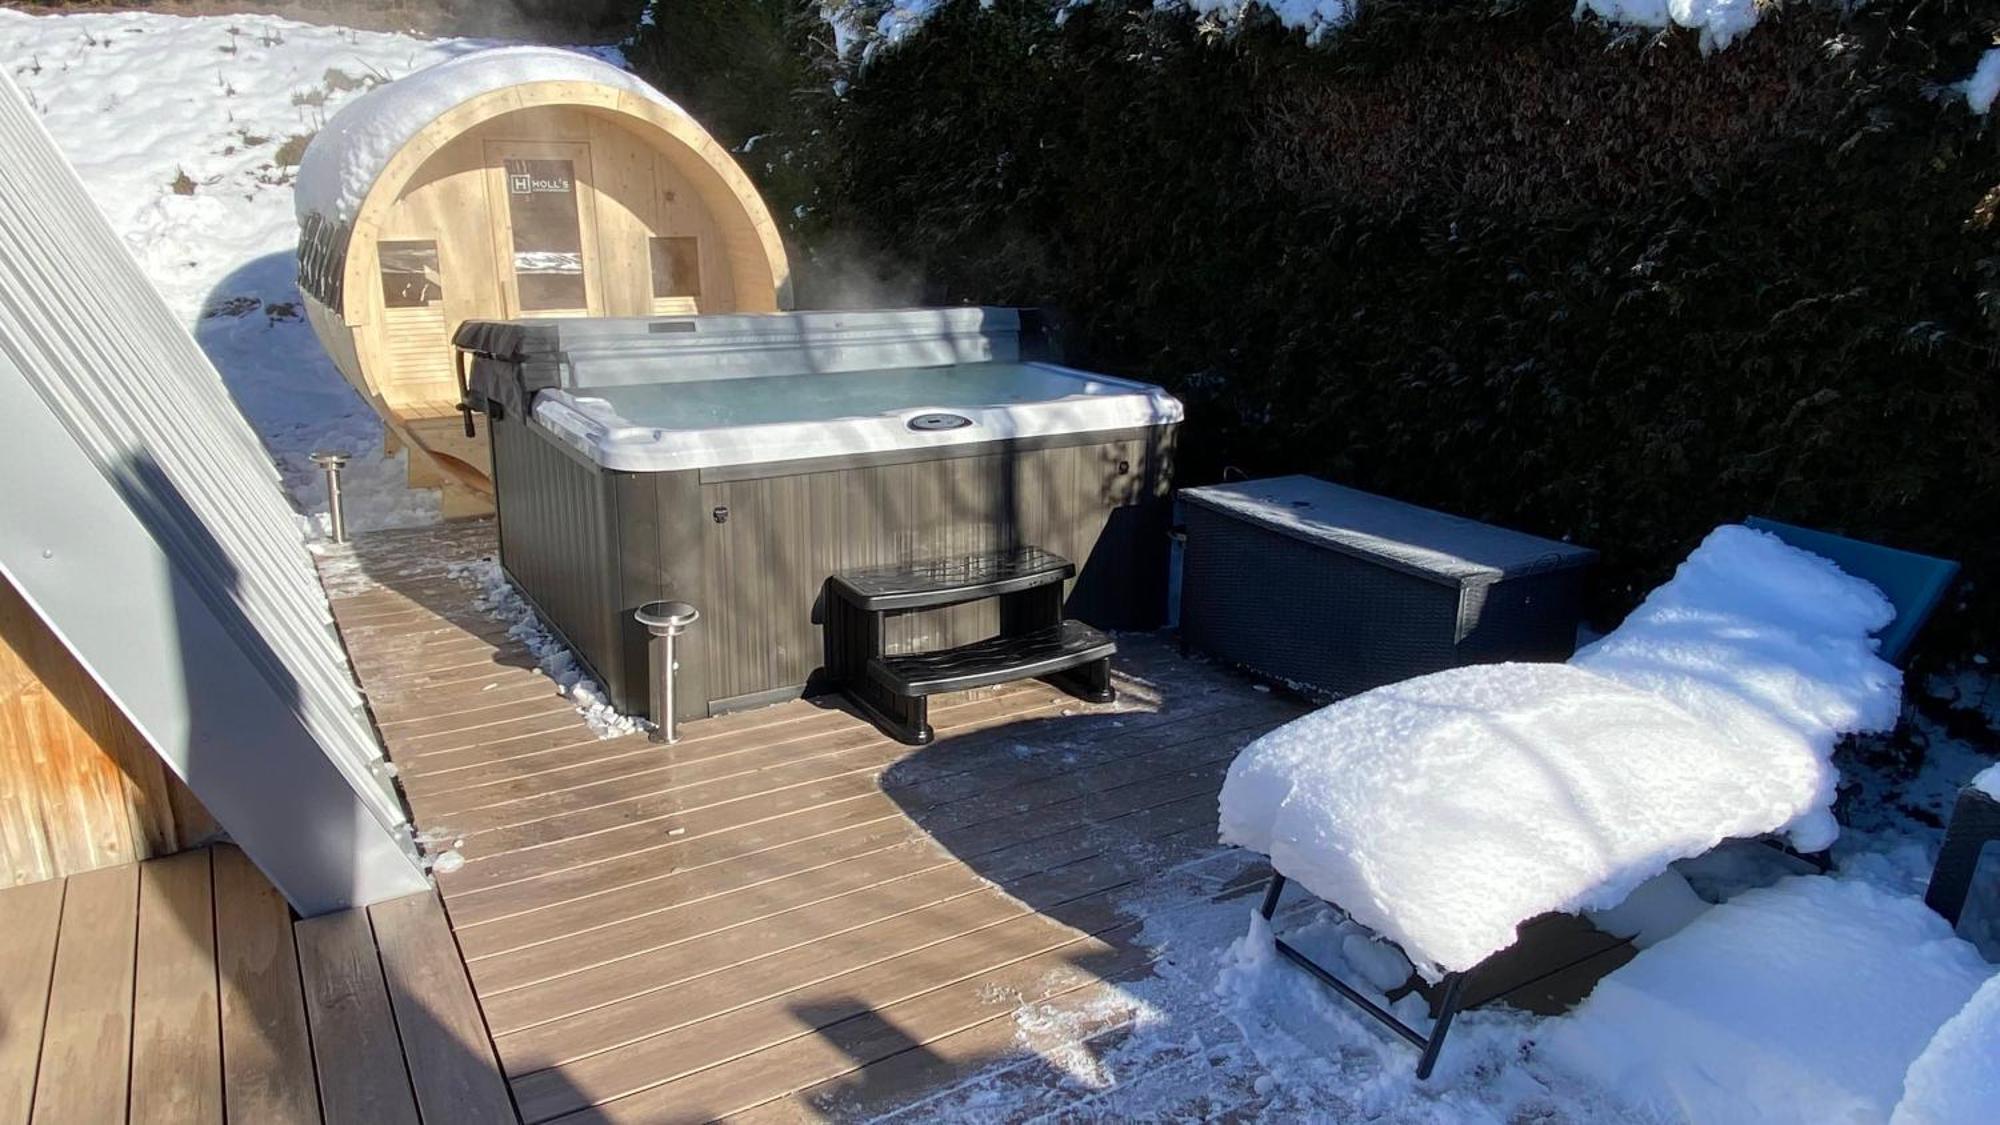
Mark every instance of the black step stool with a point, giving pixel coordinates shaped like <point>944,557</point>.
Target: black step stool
<point>1034,641</point>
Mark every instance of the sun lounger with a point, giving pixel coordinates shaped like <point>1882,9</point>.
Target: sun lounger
<point>1460,813</point>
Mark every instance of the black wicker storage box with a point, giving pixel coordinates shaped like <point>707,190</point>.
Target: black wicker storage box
<point>1334,591</point>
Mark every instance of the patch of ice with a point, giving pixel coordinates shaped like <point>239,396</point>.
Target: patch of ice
<point>1802,1002</point>
<point>1956,1081</point>
<point>497,598</point>
<point>1445,810</point>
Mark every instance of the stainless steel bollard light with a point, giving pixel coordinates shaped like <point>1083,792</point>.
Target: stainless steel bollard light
<point>665,620</point>
<point>331,463</point>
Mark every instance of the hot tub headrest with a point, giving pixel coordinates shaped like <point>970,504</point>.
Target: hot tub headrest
<point>512,361</point>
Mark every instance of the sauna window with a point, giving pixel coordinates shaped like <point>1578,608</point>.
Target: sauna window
<point>676,267</point>
<point>548,234</point>
<point>409,274</point>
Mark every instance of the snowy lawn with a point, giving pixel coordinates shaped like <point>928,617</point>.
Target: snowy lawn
<point>188,132</point>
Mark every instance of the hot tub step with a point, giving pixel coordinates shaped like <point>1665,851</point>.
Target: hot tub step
<point>949,581</point>
<point>996,660</point>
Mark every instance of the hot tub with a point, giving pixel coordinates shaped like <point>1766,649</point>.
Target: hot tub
<point>737,462</point>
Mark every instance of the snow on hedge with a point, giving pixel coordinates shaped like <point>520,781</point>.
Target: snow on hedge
<point>1801,1002</point>
<point>1720,22</point>
<point>861,27</point>
<point>1984,85</point>
<point>1445,810</point>
<point>346,155</point>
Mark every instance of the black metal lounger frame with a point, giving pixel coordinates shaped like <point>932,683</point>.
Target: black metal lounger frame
<point>1447,1008</point>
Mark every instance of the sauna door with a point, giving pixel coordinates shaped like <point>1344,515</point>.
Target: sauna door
<point>545,228</point>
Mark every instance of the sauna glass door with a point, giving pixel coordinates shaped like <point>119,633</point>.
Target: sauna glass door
<point>547,228</point>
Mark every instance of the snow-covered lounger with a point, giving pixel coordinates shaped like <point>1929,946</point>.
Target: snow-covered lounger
<point>1445,811</point>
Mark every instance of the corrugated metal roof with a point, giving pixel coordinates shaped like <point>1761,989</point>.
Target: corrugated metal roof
<point>89,335</point>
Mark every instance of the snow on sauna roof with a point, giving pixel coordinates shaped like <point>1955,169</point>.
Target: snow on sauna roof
<point>341,164</point>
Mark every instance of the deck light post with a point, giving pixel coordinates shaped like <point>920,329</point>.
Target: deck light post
<point>665,621</point>
<point>331,462</point>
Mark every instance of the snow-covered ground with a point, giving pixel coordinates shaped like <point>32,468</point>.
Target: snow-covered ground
<point>188,132</point>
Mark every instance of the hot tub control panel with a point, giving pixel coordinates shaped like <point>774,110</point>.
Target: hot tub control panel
<point>925,423</point>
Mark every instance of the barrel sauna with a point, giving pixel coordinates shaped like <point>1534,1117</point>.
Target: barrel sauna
<point>517,182</point>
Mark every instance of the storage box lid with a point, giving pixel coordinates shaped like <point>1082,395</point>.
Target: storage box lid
<point>1415,540</point>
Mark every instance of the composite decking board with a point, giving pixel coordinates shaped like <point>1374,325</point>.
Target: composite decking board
<point>1038,845</point>
<point>357,1052</point>
<point>385,668</point>
<point>33,912</point>
<point>267,1069</point>
<point>876,1063</point>
<point>752,1054</point>
<point>551,926</point>
<point>452,771</point>
<point>176,1029</point>
<point>497,678</point>
<point>927,1081</point>
<point>955,828</point>
<point>475,723</point>
<point>921,894</point>
<point>632,905</point>
<point>571,839</point>
<point>444,1039</point>
<point>388,645</point>
<point>388,642</point>
<point>768,966</point>
<point>87,1037</point>
<point>456,668</point>
<point>390,714</point>
<point>559,771</point>
<point>744,753</point>
<point>542,848</point>
<point>416,746</point>
<point>581,809</point>
<point>716,735</point>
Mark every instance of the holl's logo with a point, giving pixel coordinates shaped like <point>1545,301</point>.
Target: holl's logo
<point>526,183</point>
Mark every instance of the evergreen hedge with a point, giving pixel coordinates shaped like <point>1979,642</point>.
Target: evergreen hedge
<point>1533,270</point>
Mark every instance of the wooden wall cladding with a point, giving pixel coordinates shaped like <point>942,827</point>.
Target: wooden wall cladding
<point>79,787</point>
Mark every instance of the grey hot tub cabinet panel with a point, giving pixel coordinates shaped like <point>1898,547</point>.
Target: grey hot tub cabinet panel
<point>589,545</point>
<point>1337,591</point>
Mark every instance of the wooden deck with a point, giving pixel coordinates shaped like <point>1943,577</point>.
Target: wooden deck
<point>786,914</point>
<point>181,990</point>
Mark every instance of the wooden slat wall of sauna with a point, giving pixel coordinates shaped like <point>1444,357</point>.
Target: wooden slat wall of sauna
<point>80,789</point>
